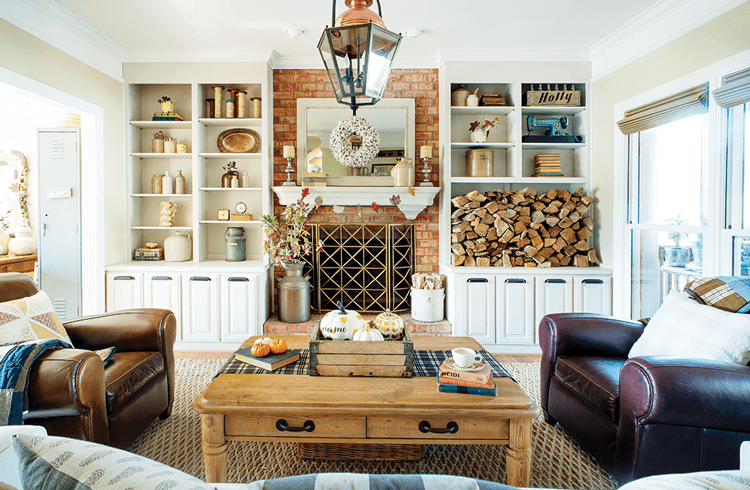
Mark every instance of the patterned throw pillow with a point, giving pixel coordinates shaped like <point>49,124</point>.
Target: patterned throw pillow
<point>30,319</point>
<point>59,463</point>
<point>728,293</point>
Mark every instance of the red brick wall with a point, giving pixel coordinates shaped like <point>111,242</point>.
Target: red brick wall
<point>418,84</point>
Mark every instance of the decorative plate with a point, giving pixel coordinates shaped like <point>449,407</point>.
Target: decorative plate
<point>238,140</point>
<point>453,365</point>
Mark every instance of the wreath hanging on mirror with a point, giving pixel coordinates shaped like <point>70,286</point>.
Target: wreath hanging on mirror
<point>354,155</point>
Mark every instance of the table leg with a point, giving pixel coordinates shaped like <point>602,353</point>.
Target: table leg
<point>518,453</point>
<point>215,448</point>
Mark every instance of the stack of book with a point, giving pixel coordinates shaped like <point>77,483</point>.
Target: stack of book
<point>166,116</point>
<point>314,179</point>
<point>269,362</point>
<point>453,380</point>
<point>547,166</point>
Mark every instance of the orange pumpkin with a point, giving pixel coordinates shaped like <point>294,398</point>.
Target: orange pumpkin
<point>278,346</point>
<point>260,350</point>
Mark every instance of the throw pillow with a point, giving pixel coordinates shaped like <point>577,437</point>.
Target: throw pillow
<point>106,354</point>
<point>684,328</point>
<point>704,480</point>
<point>30,319</point>
<point>729,293</point>
<point>59,463</point>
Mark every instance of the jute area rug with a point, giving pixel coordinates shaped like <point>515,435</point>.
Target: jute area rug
<point>557,461</point>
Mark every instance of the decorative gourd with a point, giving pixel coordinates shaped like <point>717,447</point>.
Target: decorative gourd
<point>367,333</point>
<point>278,346</point>
<point>340,324</point>
<point>390,324</point>
<point>259,349</point>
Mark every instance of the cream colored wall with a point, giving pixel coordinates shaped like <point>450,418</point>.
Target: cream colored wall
<point>26,55</point>
<point>721,38</point>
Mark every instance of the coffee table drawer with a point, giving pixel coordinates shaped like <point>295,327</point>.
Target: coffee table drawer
<point>295,426</point>
<point>458,428</point>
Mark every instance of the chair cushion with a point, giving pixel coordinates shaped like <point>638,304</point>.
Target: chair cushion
<point>682,327</point>
<point>728,293</point>
<point>30,319</point>
<point>127,373</point>
<point>704,480</point>
<point>595,379</point>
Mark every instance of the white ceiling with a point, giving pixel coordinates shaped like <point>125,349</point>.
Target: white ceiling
<point>251,30</point>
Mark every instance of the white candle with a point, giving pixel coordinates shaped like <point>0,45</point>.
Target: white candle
<point>425,152</point>
<point>288,152</point>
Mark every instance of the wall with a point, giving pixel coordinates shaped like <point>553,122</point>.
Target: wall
<point>26,55</point>
<point>419,84</point>
<point>721,38</point>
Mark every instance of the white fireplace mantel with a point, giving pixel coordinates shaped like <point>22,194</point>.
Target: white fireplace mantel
<point>410,205</point>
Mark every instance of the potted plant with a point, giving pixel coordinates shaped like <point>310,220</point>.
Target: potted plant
<point>287,240</point>
<point>481,130</point>
<point>676,256</point>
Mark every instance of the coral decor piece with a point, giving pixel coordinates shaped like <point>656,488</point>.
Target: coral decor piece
<point>354,155</point>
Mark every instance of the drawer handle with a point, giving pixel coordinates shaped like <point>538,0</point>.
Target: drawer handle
<point>593,281</point>
<point>161,278</point>
<point>308,426</point>
<point>555,281</point>
<point>451,428</point>
<point>200,278</point>
<point>239,279</point>
<point>477,279</point>
<point>515,281</point>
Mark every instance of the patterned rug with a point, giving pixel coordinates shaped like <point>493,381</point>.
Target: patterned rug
<point>557,461</point>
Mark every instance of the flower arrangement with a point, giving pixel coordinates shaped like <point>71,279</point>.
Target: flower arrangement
<point>287,238</point>
<point>484,125</point>
<point>231,167</point>
<point>164,99</point>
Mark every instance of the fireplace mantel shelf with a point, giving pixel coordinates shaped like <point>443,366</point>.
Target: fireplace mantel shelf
<point>410,205</point>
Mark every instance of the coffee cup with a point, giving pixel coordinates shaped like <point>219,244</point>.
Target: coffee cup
<point>465,358</point>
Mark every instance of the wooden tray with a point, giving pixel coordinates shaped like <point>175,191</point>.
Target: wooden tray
<point>386,359</point>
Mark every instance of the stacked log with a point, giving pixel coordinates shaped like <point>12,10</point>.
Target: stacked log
<point>522,229</point>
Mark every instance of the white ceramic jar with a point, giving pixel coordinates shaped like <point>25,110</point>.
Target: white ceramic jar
<point>178,247</point>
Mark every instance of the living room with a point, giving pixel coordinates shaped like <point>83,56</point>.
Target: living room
<point>651,53</point>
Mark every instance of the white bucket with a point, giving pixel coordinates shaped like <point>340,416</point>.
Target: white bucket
<point>427,304</point>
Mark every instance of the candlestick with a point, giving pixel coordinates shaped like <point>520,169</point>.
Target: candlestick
<point>289,169</point>
<point>289,151</point>
<point>426,169</point>
<point>425,152</point>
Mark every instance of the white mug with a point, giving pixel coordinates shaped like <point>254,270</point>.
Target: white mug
<point>465,358</point>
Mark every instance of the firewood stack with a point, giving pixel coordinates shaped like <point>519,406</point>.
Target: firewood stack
<point>522,229</point>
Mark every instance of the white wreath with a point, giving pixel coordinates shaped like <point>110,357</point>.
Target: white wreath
<point>344,152</point>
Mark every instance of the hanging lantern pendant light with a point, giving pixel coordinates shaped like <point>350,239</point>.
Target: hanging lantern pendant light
<point>358,54</point>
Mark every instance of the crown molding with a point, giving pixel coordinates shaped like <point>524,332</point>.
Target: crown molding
<point>54,25</point>
<point>241,56</point>
<point>660,24</point>
<point>494,54</point>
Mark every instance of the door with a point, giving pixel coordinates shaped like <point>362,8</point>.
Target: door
<point>124,291</point>
<point>200,307</point>
<point>553,295</point>
<point>59,221</point>
<point>163,290</point>
<point>593,295</point>
<point>239,311</point>
<point>478,303</point>
<point>515,311</point>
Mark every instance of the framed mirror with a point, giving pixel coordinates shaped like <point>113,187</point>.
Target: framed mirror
<point>392,118</point>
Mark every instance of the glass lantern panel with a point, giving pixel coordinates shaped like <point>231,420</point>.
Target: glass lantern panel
<point>383,49</point>
<point>350,48</point>
<point>331,63</point>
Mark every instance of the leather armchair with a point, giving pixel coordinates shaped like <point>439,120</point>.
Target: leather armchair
<point>73,394</point>
<point>640,416</point>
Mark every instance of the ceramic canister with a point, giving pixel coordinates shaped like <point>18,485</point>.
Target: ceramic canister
<point>403,173</point>
<point>178,247</point>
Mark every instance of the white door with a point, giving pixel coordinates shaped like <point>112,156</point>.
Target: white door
<point>476,309</point>
<point>553,295</point>
<point>593,295</point>
<point>163,290</point>
<point>515,310</point>
<point>124,291</point>
<point>59,221</point>
<point>239,306</point>
<point>200,307</point>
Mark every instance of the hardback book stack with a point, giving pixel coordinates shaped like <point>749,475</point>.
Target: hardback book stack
<point>547,166</point>
<point>479,382</point>
<point>166,116</point>
<point>314,179</point>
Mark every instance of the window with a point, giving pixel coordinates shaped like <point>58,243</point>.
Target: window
<point>738,187</point>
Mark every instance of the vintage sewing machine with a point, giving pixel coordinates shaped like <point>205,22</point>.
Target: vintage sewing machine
<point>553,133</point>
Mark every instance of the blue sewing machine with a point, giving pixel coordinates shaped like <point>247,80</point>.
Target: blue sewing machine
<point>553,132</point>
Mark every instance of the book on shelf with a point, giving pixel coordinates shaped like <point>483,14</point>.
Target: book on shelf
<point>314,174</point>
<point>269,362</point>
<point>481,376</point>
<point>467,390</point>
<point>166,116</point>
<point>462,382</point>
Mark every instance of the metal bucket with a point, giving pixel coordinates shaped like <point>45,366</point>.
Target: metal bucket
<point>234,238</point>
<point>294,294</point>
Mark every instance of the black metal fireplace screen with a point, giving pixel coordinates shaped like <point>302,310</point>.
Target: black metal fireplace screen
<point>366,267</point>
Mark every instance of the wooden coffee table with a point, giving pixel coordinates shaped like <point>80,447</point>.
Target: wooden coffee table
<point>289,408</point>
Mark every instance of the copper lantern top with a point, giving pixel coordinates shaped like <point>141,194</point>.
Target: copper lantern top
<point>358,13</point>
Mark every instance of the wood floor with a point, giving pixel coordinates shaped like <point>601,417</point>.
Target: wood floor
<point>197,354</point>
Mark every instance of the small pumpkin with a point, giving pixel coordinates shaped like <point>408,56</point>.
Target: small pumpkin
<point>368,333</point>
<point>390,324</point>
<point>278,346</point>
<point>340,324</point>
<point>259,349</point>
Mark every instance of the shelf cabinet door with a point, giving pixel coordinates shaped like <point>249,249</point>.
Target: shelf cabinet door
<point>476,309</point>
<point>593,295</point>
<point>240,300</point>
<point>200,307</point>
<point>164,290</point>
<point>124,291</point>
<point>515,310</point>
<point>553,295</point>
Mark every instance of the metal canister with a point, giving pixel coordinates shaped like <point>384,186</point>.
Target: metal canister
<point>234,238</point>
<point>294,294</point>
<point>480,163</point>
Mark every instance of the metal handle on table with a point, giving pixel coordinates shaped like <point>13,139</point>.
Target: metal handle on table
<point>308,426</point>
<point>451,428</point>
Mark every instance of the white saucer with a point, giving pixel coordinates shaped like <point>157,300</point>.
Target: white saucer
<point>475,367</point>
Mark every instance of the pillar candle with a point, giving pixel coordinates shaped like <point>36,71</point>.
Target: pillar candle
<point>425,152</point>
<point>288,152</point>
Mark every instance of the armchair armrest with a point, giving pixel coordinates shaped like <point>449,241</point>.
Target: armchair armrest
<point>127,330</point>
<point>69,383</point>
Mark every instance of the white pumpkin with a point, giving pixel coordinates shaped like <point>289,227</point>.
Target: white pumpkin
<point>390,324</point>
<point>368,333</point>
<point>340,324</point>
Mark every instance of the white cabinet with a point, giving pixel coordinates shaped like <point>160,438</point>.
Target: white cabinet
<point>593,295</point>
<point>515,306</point>
<point>240,314</point>
<point>553,295</point>
<point>124,291</point>
<point>200,308</point>
<point>163,290</point>
<point>478,315</point>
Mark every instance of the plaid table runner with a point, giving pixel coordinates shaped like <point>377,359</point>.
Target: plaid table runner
<point>426,363</point>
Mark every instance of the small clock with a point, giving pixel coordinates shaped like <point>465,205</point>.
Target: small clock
<point>241,207</point>
<point>223,215</point>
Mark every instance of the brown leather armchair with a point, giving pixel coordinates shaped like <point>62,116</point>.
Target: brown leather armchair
<point>72,393</point>
<point>642,416</point>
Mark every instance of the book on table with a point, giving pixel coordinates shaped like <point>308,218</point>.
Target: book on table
<point>269,362</point>
<point>462,382</point>
<point>467,390</point>
<point>482,376</point>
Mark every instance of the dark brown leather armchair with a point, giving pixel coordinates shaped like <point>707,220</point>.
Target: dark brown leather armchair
<point>72,393</point>
<point>640,416</point>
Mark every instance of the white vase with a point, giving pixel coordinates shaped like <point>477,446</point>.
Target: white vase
<point>478,136</point>
<point>4,239</point>
<point>22,243</point>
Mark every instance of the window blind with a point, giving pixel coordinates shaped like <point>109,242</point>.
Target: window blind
<point>691,102</point>
<point>734,90</point>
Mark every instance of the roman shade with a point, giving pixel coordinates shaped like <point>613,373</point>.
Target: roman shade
<point>734,90</point>
<point>691,102</point>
